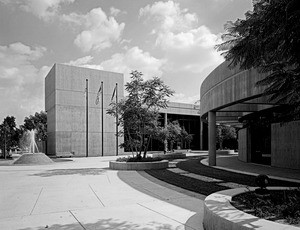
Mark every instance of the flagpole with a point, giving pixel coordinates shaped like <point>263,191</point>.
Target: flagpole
<point>117,149</point>
<point>102,117</point>
<point>87,117</point>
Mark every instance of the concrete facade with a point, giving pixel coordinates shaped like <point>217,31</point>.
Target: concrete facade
<point>181,108</point>
<point>233,95</point>
<point>188,117</point>
<point>285,145</point>
<point>65,104</point>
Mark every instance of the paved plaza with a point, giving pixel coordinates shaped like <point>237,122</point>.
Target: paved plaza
<point>85,194</point>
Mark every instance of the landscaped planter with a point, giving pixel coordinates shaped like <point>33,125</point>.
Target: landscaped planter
<point>225,152</point>
<point>175,155</point>
<point>138,166</point>
<point>220,214</point>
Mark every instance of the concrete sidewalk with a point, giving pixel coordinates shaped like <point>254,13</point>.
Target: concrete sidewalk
<point>85,194</point>
<point>231,163</point>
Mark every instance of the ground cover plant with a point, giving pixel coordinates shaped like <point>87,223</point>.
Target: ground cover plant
<point>279,205</point>
<point>221,179</point>
<point>138,159</point>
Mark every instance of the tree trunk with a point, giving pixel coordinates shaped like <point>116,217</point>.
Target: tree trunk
<point>146,147</point>
<point>130,141</point>
<point>221,144</point>
<point>171,146</point>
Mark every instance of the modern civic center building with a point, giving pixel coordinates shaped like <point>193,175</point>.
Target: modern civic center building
<point>75,124</point>
<point>230,96</point>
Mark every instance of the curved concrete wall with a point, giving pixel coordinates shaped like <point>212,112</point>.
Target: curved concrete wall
<point>223,91</point>
<point>225,86</point>
<point>285,145</point>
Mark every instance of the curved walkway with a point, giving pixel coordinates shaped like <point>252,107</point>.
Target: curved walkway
<point>192,175</point>
<point>233,164</point>
<point>85,194</point>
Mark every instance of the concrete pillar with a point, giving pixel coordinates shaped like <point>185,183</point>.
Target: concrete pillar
<point>212,138</point>
<point>165,125</point>
<point>201,134</point>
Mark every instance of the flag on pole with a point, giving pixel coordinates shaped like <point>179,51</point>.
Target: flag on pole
<point>84,93</point>
<point>112,97</point>
<point>98,95</point>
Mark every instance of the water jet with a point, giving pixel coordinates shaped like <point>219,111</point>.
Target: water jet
<point>34,156</point>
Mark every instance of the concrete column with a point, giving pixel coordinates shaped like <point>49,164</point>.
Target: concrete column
<point>212,138</point>
<point>165,125</point>
<point>201,134</point>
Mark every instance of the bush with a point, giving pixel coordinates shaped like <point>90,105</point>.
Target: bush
<point>280,204</point>
<point>138,159</point>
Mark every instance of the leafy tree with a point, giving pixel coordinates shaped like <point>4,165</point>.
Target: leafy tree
<point>38,121</point>
<point>173,133</point>
<point>9,134</point>
<point>138,112</point>
<point>268,39</point>
<point>225,133</point>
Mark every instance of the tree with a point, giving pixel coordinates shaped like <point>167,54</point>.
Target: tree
<point>269,40</point>
<point>9,134</point>
<point>225,133</point>
<point>38,121</point>
<point>138,112</point>
<point>173,133</point>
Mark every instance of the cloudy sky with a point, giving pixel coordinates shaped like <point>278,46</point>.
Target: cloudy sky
<point>171,39</point>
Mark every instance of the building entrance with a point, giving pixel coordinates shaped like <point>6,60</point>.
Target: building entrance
<point>261,144</point>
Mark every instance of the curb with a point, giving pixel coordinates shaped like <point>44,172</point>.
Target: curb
<point>205,162</point>
<point>138,166</point>
<point>220,214</point>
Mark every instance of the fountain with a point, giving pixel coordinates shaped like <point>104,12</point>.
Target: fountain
<point>32,145</point>
<point>33,156</point>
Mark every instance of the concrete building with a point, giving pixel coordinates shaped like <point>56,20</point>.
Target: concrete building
<point>188,117</point>
<point>65,102</point>
<point>230,96</point>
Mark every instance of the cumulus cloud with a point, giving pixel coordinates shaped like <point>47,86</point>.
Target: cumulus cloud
<point>21,83</point>
<point>114,11</point>
<point>168,16</point>
<point>134,59</point>
<point>182,98</point>
<point>98,30</point>
<point>85,62</point>
<point>187,46</point>
<point>44,9</point>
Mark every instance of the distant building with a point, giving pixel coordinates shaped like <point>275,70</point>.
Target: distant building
<point>230,96</point>
<point>188,117</point>
<point>65,104</point>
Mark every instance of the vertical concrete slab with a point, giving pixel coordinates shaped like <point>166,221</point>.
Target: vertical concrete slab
<point>212,138</point>
<point>285,145</point>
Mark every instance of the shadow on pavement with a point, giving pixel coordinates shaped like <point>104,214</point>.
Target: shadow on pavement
<point>107,224</point>
<point>170,194</point>
<point>64,172</point>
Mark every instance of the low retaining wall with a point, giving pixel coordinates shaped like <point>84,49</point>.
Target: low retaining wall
<point>220,214</point>
<point>138,166</point>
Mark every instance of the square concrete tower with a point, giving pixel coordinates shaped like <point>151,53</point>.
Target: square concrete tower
<point>65,104</point>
